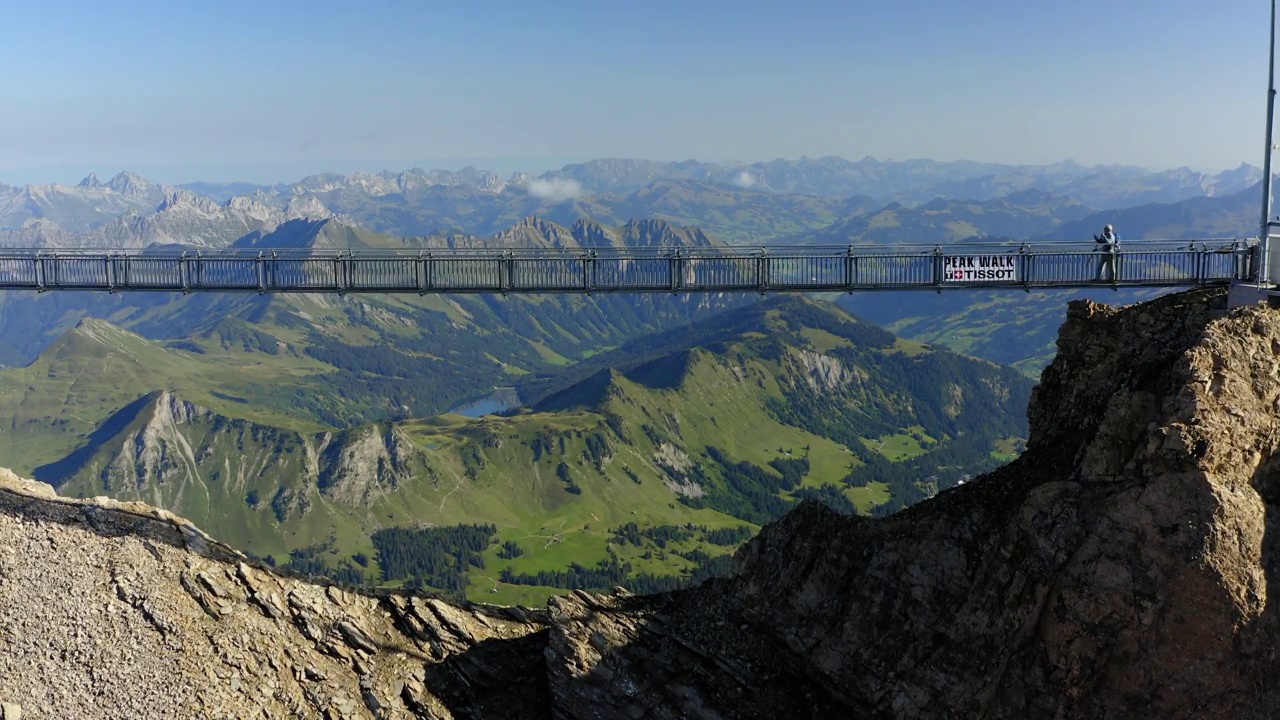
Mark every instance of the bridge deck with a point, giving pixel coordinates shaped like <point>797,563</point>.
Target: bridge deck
<point>637,270</point>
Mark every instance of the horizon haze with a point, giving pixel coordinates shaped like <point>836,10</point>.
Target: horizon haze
<point>269,93</point>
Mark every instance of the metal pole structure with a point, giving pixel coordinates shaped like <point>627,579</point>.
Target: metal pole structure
<point>1264,229</point>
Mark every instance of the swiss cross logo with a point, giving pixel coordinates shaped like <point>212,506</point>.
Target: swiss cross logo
<point>958,274</point>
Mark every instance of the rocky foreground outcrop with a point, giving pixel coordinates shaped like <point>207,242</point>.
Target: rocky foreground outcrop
<point>1121,568</point>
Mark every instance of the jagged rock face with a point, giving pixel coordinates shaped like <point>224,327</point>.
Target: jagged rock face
<point>536,232</point>
<point>137,615</point>
<point>592,234</point>
<point>660,233</point>
<point>1119,569</point>
<point>157,451</point>
<point>176,448</point>
<point>824,373</point>
<point>366,466</point>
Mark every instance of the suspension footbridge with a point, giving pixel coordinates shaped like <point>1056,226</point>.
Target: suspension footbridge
<point>1183,263</point>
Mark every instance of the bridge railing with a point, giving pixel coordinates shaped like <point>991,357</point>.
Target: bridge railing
<point>543,270</point>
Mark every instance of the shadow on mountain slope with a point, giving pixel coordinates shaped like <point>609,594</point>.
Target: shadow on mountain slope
<point>1115,570</point>
<point>60,470</point>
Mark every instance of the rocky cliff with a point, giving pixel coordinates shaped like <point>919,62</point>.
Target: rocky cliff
<point>162,448</point>
<point>138,614</point>
<point>1121,568</point>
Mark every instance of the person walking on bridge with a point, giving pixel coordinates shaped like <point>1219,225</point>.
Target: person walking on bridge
<point>1109,244</point>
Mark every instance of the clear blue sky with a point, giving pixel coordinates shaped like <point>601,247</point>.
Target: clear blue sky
<point>271,89</point>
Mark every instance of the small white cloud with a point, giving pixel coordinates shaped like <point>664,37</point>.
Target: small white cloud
<point>744,179</point>
<point>555,189</point>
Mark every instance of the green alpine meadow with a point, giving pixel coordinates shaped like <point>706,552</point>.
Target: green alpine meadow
<point>643,468</point>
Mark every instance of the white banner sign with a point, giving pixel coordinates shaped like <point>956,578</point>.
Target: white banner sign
<point>979,268</point>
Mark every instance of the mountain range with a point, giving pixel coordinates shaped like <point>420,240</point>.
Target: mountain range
<point>1019,215</point>
<point>628,438</point>
<point>721,424</point>
<point>749,203</point>
<point>506,335</point>
<point>82,206</point>
<point>910,181</point>
<point>181,217</point>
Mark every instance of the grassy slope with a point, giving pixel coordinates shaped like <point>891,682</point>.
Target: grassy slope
<point>472,470</point>
<point>96,369</point>
<point>524,498</point>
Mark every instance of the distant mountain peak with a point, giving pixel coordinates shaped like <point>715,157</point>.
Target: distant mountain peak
<point>307,207</point>
<point>111,337</point>
<point>39,223</point>
<point>91,181</point>
<point>126,183</point>
<point>531,221</point>
<point>533,231</point>
<point>303,233</point>
<point>243,203</point>
<point>656,232</point>
<point>185,198</point>
<point>592,234</point>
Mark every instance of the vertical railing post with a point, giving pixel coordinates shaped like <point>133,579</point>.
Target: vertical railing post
<point>109,272</point>
<point>506,272</point>
<point>40,272</point>
<point>676,268</point>
<point>762,270</point>
<point>428,272</point>
<point>347,258</point>
<point>260,268</point>
<point>420,273</point>
<point>184,273</point>
<point>850,268</point>
<point>1024,267</point>
<point>937,267</point>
